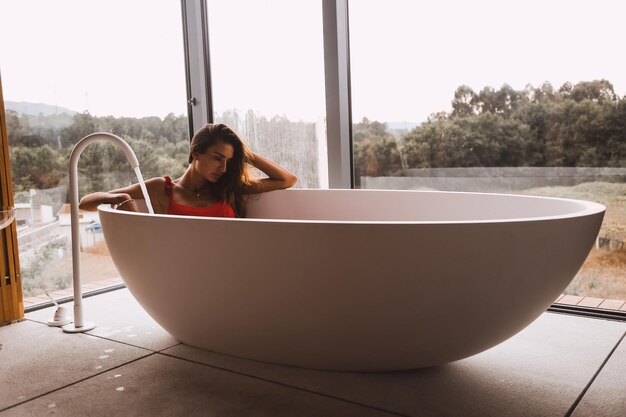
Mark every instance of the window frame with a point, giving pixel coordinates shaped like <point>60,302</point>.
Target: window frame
<point>338,98</point>
<point>337,81</point>
<point>338,106</point>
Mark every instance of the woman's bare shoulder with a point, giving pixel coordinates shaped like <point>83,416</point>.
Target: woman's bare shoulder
<point>158,195</point>
<point>156,185</point>
<point>155,181</point>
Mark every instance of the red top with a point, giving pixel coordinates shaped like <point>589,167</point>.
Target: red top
<point>219,209</point>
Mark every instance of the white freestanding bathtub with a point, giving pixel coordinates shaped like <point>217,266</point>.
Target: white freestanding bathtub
<point>354,280</point>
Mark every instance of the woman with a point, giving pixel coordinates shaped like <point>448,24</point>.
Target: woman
<point>214,184</point>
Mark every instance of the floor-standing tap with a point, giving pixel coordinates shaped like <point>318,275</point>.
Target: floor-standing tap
<point>79,325</point>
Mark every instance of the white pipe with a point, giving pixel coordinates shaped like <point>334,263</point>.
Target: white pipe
<point>79,325</point>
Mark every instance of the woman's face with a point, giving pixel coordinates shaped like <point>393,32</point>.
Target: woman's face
<point>213,163</point>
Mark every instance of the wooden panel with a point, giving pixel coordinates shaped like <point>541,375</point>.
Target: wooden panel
<point>11,302</point>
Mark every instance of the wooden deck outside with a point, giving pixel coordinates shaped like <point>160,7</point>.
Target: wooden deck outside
<point>601,303</point>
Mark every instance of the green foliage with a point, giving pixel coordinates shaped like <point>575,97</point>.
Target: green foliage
<point>40,167</point>
<point>40,152</point>
<point>576,125</point>
<point>34,272</point>
<point>40,147</point>
<point>376,150</point>
<point>581,125</point>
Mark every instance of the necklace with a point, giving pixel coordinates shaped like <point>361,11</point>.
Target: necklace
<point>196,193</point>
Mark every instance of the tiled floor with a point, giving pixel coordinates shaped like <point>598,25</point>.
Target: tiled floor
<point>559,365</point>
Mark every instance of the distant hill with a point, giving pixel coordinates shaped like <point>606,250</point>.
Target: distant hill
<point>34,109</point>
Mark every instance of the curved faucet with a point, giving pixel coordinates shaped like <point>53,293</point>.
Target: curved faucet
<point>80,325</point>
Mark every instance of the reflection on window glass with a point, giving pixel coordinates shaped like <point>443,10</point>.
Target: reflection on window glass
<point>72,69</point>
<point>267,71</point>
<point>497,97</point>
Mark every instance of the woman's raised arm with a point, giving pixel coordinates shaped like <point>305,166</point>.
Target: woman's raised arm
<point>278,177</point>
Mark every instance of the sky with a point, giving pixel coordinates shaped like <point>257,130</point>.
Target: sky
<point>427,49</point>
<point>125,58</point>
<point>114,57</point>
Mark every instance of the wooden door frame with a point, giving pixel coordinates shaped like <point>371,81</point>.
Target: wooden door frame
<point>11,299</point>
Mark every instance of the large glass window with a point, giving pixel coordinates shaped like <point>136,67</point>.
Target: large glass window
<point>267,72</point>
<point>70,69</point>
<point>490,96</point>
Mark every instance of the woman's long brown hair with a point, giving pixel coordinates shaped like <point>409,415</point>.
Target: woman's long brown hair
<point>231,186</point>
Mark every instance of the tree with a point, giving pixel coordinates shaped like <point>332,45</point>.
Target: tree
<point>83,125</point>
<point>39,168</point>
<point>597,90</point>
<point>376,151</point>
<point>463,104</point>
<point>578,125</point>
<point>16,127</point>
<point>49,168</point>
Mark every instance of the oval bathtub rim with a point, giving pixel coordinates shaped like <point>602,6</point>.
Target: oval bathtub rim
<point>588,208</point>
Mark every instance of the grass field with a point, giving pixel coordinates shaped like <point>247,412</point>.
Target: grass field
<point>604,273</point>
<point>55,273</point>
